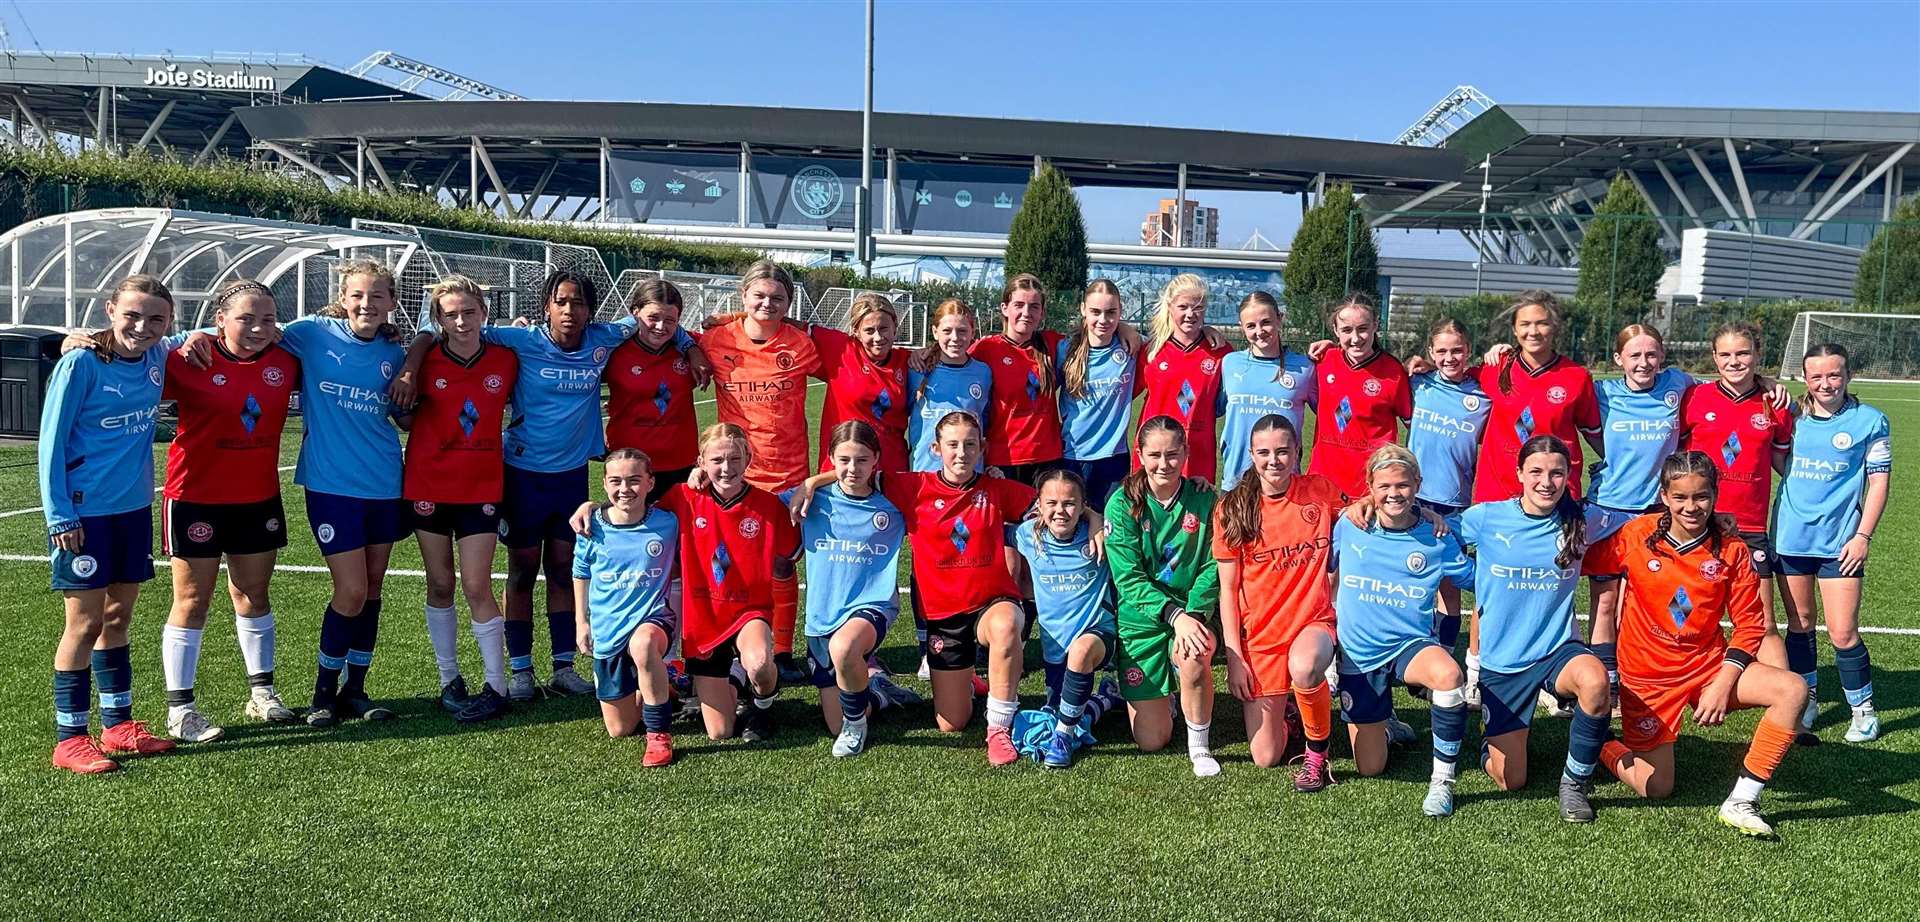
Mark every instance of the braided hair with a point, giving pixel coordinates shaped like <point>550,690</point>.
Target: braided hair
<point>1691,464</point>
<point>1566,510</point>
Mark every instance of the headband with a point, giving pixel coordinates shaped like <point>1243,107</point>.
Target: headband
<point>240,289</point>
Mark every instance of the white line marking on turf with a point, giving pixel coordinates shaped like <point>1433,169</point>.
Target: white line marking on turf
<point>36,509</point>
<point>309,568</point>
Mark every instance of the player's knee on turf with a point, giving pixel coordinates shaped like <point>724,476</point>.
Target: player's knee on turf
<point>1000,627</point>
<point>1589,680</point>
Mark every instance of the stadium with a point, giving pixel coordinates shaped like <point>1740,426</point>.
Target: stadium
<point>541,814</point>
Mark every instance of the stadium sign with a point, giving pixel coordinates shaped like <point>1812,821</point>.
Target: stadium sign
<point>207,78</point>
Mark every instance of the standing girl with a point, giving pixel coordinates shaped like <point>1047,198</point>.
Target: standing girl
<point>1387,578</point>
<point>1180,370</point>
<point>1684,571</point>
<point>957,382</point>
<point>96,491</point>
<point>222,500</point>
<point>453,484</point>
<point>1159,549</point>
<point>1526,570</point>
<point>650,386</point>
<point>1364,395</point>
<point>621,574</point>
<point>1096,396</point>
<point>1074,594</point>
<point>1024,412</point>
<point>1535,391</point>
<point>1829,505</point>
<point>1263,379</point>
<point>1271,539</point>
<point>1449,417</point>
<point>866,379</point>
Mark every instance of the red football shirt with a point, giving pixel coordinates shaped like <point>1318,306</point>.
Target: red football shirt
<point>1024,420</point>
<point>454,452</point>
<point>650,404</point>
<point>727,550</point>
<point>860,388</point>
<point>1360,409</point>
<point>1184,382</point>
<point>1741,434</point>
<point>959,537</point>
<point>1555,399</point>
<point>227,449</point>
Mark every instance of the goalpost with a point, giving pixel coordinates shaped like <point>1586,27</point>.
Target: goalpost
<point>1881,347</point>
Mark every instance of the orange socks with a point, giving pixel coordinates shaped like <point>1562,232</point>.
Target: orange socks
<point>1614,752</point>
<point>1770,745</point>
<point>1316,711</point>
<point>786,611</point>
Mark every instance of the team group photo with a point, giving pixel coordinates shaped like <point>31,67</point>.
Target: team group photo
<point>437,502</point>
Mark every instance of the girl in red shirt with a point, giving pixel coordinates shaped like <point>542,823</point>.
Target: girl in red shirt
<point>1364,396</point>
<point>1023,411</point>
<point>1533,390</point>
<point>650,387</point>
<point>866,377</point>
<point>1180,371</point>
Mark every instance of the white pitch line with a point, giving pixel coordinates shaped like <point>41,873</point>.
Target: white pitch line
<point>309,568</point>
<point>8,515</point>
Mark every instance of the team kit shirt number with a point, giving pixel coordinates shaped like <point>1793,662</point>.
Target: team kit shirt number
<point>454,450</point>
<point>1741,433</point>
<point>762,388</point>
<point>227,447</point>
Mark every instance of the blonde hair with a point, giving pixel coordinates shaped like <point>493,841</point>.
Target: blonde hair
<point>867,304</point>
<point>1074,370</point>
<point>1160,328</point>
<point>1392,455</point>
<point>367,267</point>
<point>719,431</point>
<point>455,284</point>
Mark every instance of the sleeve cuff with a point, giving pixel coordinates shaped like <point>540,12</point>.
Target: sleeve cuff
<point>1171,613</point>
<point>1740,658</point>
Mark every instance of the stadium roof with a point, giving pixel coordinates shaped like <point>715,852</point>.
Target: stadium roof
<point>526,139</point>
<point>1543,156</point>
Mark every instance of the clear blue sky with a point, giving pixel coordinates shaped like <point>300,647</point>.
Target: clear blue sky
<point>1350,70</point>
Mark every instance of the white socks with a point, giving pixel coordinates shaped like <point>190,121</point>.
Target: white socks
<point>1473,669</point>
<point>1199,752</point>
<point>1747,789</point>
<point>491,638</point>
<point>1000,712</point>
<point>443,631</point>
<point>179,656</point>
<point>256,642</point>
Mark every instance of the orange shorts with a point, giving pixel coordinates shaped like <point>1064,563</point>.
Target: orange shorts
<point>1650,715</point>
<point>1271,674</point>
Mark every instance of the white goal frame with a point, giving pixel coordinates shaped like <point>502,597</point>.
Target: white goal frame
<point>1794,352</point>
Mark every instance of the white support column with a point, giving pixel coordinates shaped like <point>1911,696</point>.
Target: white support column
<point>893,166</point>
<point>20,103</point>
<point>1665,228</point>
<point>300,290</point>
<point>100,117</point>
<point>526,207</point>
<point>473,173</point>
<point>1680,196</point>
<point>1415,202</point>
<point>439,185</point>
<point>66,285</point>
<point>1833,189</point>
<point>154,128</point>
<point>360,164</point>
<point>746,181</point>
<point>13,282</point>
<point>1547,212</point>
<point>1812,175</point>
<point>1180,208</point>
<point>214,142</point>
<point>379,169</point>
<point>1719,195</point>
<point>1888,195</point>
<point>1865,181</point>
<point>1740,183</point>
<point>606,164</point>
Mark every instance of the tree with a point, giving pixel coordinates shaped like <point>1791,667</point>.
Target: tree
<point>1333,253</point>
<point>1620,258</point>
<point>1048,237</point>
<point>1890,265</point>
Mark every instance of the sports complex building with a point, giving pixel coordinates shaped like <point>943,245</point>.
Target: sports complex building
<point>1753,203</point>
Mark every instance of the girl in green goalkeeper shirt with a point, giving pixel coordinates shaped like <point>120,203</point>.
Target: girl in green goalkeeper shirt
<point>1160,551</point>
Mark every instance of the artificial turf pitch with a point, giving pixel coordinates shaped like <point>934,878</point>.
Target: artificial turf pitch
<point>540,815</point>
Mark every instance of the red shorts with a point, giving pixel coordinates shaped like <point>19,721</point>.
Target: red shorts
<point>1269,670</point>
<point>1650,715</point>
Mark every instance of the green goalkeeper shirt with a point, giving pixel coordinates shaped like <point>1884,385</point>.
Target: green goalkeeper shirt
<point>1163,562</point>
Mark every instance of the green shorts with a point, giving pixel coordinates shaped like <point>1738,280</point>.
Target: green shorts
<point>1145,662</point>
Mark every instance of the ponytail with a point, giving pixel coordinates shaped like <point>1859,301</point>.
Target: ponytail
<point>1692,464</point>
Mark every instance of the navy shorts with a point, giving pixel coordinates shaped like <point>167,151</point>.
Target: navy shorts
<point>819,649</point>
<point>455,520</point>
<point>1507,699</point>
<point>1102,476</point>
<point>538,504</point>
<point>1823,567</point>
<point>208,530</point>
<point>115,548</point>
<point>953,642</point>
<point>1760,548</point>
<point>349,523</point>
<point>718,662</point>
<point>616,675</point>
<point>1367,697</point>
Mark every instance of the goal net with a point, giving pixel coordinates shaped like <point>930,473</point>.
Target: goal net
<point>1880,347</point>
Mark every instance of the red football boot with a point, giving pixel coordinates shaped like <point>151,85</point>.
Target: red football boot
<point>130,738</point>
<point>79,754</point>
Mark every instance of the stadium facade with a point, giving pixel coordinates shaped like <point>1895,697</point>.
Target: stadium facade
<point>1793,192</point>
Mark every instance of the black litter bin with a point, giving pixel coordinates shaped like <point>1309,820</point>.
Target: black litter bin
<point>27,355</point>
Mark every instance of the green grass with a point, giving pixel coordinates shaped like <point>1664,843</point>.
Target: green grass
<point>541,815</point>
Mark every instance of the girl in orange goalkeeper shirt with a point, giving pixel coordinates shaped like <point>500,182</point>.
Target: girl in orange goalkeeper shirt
<point>1685,569</point>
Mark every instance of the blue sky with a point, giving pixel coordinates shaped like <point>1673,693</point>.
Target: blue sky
<point>1353,70</point>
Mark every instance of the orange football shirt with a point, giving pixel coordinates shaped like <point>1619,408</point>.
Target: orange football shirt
<point>762,388</point>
